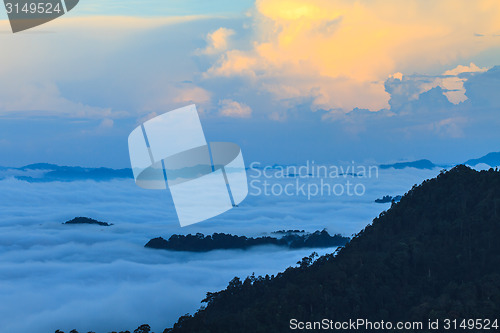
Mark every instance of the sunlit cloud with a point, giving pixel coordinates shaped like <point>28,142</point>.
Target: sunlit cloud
<point>339,53</point>
<point>217,41</point>
<point>454,82</point>
<point>230,108</point>
<point>451,81</point>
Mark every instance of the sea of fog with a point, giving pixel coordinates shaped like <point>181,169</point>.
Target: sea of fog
<point>89,277</point>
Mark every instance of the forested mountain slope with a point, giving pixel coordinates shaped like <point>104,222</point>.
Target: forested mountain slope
<point>435,254</point>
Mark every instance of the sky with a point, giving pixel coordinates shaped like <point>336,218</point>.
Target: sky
<point>289,81</point>
<point>375,81</point>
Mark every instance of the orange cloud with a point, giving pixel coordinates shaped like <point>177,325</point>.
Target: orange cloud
<point>218,41</point>
<point>339,52</point>
<point>171,96</point>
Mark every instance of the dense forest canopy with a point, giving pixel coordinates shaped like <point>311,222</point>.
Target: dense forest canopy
<point>290,239</point>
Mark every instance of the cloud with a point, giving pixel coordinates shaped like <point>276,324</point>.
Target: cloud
<point>282,61</point>
<point>102,279</point>
<point>452,127</point>
<point>422,114</point>
<point>406,88</point>
<point>472,68</point>
<point>106,123</point>
<point>452,81</point>
<point>483,90</point>
<point>217,41</point>
<point>91,67</point>
<point>339,53</point>
<point>230,108</point>
<point>45,98</point>
<point>168,96</point>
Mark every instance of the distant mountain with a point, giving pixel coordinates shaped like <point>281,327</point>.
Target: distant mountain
<point>45,172</point>
<point>434,255</point>
<point>220,241</point>
<point>87,220</point>
<point>491,159</point>
<point>39,166</point>
<point>420,164</point>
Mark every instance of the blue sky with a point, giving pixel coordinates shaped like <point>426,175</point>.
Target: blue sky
<point>289,81</point>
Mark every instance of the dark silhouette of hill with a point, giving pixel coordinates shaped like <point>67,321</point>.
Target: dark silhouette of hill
<point>87,220</point>
<point>388,198</point>
<point>219,241</point>
<point>420,164</point>
<point>433,255</point>
<point>491,159</point>
<point>286,232</point>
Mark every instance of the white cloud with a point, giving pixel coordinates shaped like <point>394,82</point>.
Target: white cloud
<point>472,68</point>
<point>230,108</point>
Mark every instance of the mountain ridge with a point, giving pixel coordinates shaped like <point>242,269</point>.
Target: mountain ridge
<point>53,172</point>
<point>434,255</point>
<point>492,159</point>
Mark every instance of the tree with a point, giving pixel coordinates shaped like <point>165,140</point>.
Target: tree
<point>145,328</point>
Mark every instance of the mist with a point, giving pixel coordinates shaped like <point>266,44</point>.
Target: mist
<point>90,277</point>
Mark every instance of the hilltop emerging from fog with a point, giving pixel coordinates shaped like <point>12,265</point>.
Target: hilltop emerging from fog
<point>219,241</point>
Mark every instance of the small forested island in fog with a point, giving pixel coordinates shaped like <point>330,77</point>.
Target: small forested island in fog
<point>293,239</point>
<point>87,220</point>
